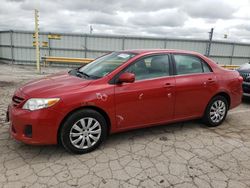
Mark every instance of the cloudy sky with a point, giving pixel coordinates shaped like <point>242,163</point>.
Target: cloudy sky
<point>164,18</point>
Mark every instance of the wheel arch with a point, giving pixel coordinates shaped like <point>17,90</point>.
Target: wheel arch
<point>226,95</point>
<point>221,93</point>
<point>205,118</point>
<point>101,111</point>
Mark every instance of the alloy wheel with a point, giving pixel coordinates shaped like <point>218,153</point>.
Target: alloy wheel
<point>85,133</point>
<point>217,111</point>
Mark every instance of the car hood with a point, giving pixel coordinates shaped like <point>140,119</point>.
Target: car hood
<point>54,85</point>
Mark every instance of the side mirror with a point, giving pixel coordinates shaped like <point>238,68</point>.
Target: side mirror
<point>126,78</point>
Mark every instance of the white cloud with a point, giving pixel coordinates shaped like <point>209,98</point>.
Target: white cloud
<point>210,9</point>
<point>164,17</point>
<point>178,18</point>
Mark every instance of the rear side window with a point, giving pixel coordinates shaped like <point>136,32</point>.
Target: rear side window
<point>206,68</point>
<point>186,64</point>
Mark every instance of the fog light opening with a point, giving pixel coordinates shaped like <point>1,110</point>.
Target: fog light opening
<point>28,131</point>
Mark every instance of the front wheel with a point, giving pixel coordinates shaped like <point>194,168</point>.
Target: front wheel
<point>216,111</point>
<point>83,131</point>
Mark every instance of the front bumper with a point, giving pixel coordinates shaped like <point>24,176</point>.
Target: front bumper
<point>44,124</point>
<point>246,89</point>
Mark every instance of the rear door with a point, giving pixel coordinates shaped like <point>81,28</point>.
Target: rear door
<point>195,83</point>
<point>150,99</point>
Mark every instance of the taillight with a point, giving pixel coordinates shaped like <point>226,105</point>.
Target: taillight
<point>240,79</point>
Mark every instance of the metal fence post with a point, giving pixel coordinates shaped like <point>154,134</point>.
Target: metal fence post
<point>209,42</point>
<point>85,45</point>
<point>165,43</point>
<point>123,43</point>
<point>231,61</point>
<point>12,46</point>
<point>49,44</point>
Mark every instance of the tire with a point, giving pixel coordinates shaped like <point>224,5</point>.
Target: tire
<point>83,131</point>
<point>216,111</point>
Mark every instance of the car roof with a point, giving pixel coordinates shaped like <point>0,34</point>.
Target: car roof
<point>149,51</point>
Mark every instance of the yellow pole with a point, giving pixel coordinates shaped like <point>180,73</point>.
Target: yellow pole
<point>37,41</point>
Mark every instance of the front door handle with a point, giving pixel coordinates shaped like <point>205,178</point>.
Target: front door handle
<point>168,85</point>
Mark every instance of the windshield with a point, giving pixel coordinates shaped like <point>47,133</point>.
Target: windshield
<point>106,64</point>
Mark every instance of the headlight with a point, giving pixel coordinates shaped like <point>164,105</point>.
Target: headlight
<point>36,103</point>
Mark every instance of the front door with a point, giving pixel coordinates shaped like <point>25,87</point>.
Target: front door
<point>150,99</point>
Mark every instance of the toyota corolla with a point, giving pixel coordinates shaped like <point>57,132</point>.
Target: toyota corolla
<point>121,91</point>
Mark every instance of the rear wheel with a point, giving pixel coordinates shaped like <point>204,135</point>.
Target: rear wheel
<point>83,131</point>
<point>216,111</point>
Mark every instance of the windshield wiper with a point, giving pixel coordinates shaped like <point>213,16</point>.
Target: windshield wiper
<point>79,73</point>
<point>85,75</point>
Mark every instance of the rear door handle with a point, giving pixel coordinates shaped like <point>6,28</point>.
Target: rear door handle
<point>210,80</point>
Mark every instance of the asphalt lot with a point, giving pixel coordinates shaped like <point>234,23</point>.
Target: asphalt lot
<point>185,154</point>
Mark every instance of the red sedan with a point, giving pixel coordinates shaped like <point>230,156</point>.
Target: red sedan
<point>121,91</point>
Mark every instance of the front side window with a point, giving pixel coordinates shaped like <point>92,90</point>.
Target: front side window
<point>150,67</point>
<point>106,64</point>
<point>186,64</point>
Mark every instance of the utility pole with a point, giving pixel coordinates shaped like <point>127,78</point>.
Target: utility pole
<point>37,41</point>
<point>209,42</point>
<point>90,29</point>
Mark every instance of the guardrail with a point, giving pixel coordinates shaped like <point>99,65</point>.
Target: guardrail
<point>49,59</point>
<point>231,67</point>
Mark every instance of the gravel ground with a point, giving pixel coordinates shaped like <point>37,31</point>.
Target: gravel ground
<point>185,154</point>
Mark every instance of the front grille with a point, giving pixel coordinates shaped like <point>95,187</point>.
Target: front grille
<point>17,100</point>
<point>245,76</point>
